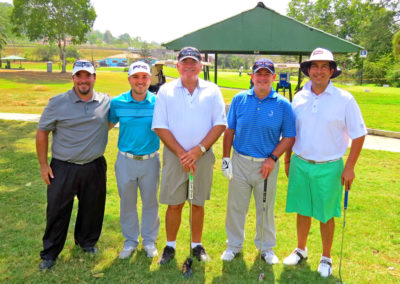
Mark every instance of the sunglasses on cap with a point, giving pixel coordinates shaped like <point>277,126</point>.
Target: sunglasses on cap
<point>83,64</point>
<point>263,65</point>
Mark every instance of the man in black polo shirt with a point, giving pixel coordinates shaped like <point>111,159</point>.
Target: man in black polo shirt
<point>78,120</point>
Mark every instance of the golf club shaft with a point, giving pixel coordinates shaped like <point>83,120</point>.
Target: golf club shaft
<point>263,214</point>
<point>346,196</point>
<point>190,197</point>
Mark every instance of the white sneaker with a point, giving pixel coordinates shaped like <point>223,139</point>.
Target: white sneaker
<point>126,252</point>
<point>325,266</point>
<point>151,250</point>
<point>295,257</point>
<point>270,257</point>
<point>229,254</point>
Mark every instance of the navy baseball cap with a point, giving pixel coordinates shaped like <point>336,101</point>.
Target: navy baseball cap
<point>189,52</point>
<point>264,63</point>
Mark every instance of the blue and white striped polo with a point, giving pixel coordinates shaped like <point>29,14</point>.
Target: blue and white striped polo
<point>259,124</point>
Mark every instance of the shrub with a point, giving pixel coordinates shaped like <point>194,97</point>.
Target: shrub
<point>393,76</point>
<point>46,52</point>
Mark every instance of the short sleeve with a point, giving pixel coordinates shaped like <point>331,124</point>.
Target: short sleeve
<point>354,121</point>
<point>48,118</point>
<point>219,113</point>
<point>160,116</point>
<point>112,115</point>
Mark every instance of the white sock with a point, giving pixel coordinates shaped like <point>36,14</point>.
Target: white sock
<point>326,258</point>
<point>172,244</point>
<point>195,245</point>
<point>303,252</point>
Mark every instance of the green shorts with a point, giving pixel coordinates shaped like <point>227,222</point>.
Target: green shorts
<point>315,190</point>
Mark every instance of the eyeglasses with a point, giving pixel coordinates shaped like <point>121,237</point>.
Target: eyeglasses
<point>83,64</point>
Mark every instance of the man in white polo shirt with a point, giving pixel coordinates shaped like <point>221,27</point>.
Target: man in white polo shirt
<point>189,116</point>
<point>326,117</point>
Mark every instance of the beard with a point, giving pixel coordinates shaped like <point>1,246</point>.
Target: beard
<point>82,90</point>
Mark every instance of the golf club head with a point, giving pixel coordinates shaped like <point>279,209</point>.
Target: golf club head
<point>187,267</point>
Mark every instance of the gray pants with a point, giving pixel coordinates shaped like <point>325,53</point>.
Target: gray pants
<point>132,174</point>
<point>247,178</point>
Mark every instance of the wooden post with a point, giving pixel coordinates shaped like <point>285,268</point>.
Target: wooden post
<point>215,68</point>
<point>299,76</point>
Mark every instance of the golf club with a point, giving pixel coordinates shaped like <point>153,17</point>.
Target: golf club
<point>187,265</point>
<point>261,277</point>
<point>346,195</point>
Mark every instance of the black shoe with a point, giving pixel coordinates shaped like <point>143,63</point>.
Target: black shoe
<point>200,253</point>
<point>46,264</point>
<point>91,250</point>
<point>167,256</point>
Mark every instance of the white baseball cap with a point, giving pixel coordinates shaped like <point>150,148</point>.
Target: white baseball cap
<point>138,67</point>
<point>85,65</point>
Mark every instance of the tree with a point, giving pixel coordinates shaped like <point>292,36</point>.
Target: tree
<point>126,38</point>
<point>396,45</point>
<point>144,50</point>
<point>54,20</point>
<point>108,37</point>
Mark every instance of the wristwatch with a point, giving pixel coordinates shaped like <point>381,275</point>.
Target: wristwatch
<point>273,157</point>
<point>202,148</point>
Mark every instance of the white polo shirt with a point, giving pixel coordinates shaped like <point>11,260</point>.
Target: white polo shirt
<point>324,123</point>
<point>189,117</point>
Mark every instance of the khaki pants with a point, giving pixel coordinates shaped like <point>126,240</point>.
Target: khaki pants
<point>247,179</point>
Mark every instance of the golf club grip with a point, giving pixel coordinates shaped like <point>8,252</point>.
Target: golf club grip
<point>346,196</point>
<point>190,193</point>
<point>265,190</point>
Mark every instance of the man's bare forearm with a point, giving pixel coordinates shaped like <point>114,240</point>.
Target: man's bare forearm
<point>212,136</point>
<point>42,146</point>
<point>169,140</point>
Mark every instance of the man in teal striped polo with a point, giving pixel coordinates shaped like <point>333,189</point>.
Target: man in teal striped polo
<point>138,161</point>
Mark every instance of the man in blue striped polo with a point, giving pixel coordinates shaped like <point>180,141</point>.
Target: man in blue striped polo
<point>257,119</point>
<point>138,161</point>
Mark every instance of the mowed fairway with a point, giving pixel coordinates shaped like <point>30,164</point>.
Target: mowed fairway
<point>29,92</point>
<point>371,246</point>
<point>371,251</point>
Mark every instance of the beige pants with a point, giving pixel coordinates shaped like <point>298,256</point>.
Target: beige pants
<point>174,180</point>
<point>247,179</point>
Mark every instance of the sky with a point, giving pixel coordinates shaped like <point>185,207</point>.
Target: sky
<point>165,20</point>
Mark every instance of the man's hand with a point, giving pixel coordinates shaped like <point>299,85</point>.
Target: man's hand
<point>46,172</point>
<point>348,176</point>
<point>227,168</point>
<point>287,166</point>
<point>189,159</point>
<point>267,167</point>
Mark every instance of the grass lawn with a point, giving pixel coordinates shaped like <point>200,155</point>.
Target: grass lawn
<point>371,246</point>
<point>29,91</point>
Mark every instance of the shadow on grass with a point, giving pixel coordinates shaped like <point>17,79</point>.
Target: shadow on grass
<point>22,196</point>
<point>302,273</point>
<point>237,271</point>
<point>38,77</point>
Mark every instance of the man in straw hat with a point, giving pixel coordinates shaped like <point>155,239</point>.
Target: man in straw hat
<point>326,117</point>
